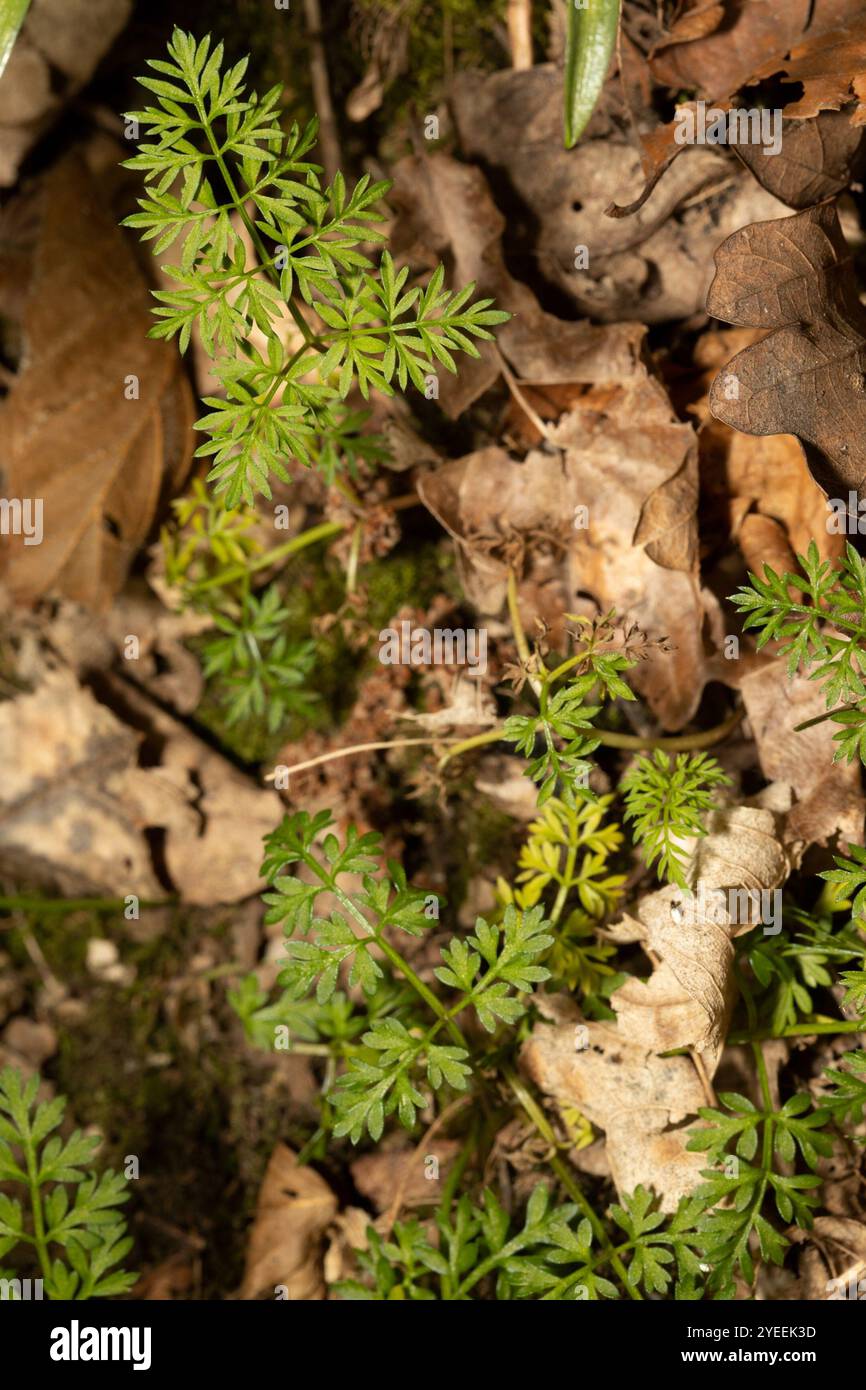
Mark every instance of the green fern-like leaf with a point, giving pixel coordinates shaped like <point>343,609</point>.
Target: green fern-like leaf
<point>75,1238</point>
<point>667,800</point>
<point>262,246</point>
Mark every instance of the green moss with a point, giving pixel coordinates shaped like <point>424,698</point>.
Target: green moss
<point>482,840</point>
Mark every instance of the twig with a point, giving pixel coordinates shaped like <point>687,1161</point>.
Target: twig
<point>393,1211</point>
<point>363,748</point>
<point>528,410</point>
<point>520,33</point>
<point>328,135</point>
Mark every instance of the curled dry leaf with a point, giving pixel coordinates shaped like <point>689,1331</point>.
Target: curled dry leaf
<point>828,796</point>
<point>446,211</point>
<point>688,998</point>
<point>643,1103</point>
<point>755,42</point>
<point>746,480</point>
<point>613,1074</point>
<point>806,377</point>
<point>284,1253</point>
<point>818,159</point>
<point>833,1263</point>
<point>96,435</point>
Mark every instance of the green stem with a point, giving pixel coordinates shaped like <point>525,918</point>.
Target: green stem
<point>678,743</point>
<point>539,1119</point>
<point>36,1207</point>
<point>799,1030</point>
<point>322,532</point>
<point>565,883</point>
<point>822,718</point>
<point>44,905</point>
<point>393,955</point>
<point>252,231</point>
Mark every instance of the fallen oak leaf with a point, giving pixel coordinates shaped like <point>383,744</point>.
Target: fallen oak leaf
<point>743,476</point>
<point>829,798</point>
<point>754,41</point>
<point>806,377</point>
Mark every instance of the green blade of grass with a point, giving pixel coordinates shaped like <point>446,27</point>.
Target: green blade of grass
<point>12,15</point>
<point>590,39</point>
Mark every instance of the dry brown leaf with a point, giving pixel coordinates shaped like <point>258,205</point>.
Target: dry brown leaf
<point>58,49</point>
<point>699,20</point>
<point>755,35</point>
<point>645,1104</point>
<point>818,159</point>
<point>830,63</point>
<point>742,474</point>
<point>806,377</point>
<point>98,461</point>
<point>379,1176</point>
<point>284,1254</point>
<point>828,796</point>
<point>621,454</point>
<point>833,1264</point>
<point>446,211</point>
<point>688,998</point>
<point>653,268</point>
<point>65,818</point>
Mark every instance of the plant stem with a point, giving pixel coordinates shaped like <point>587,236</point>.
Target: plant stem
<point>799,1030</point>
<point>252,231</point>
<point>564,884</point>
<point>677,743</point>
<point>44,905</point>
<point>36,1207</point>
<point>822,718</point>
<point>539,1119</point>
<point>363,748</point>
<point>393,955</point>
<point>322,532</point>
<point>517,628</point>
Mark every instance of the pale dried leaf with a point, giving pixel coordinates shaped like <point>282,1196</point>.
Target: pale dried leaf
<point>284,1253</point>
